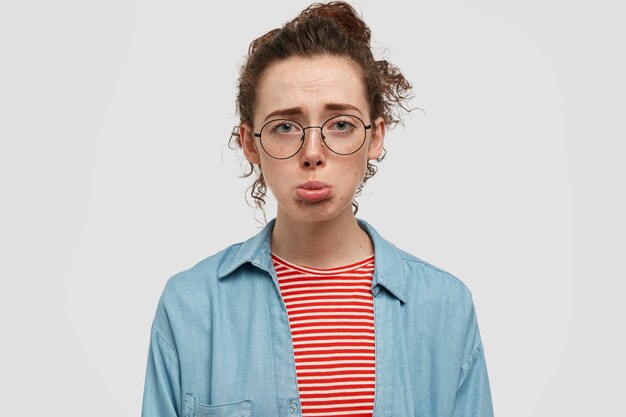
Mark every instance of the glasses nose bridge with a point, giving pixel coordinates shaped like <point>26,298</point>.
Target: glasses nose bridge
<point>313,127</point>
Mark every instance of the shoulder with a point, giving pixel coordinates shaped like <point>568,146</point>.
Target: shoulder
<point>436,291</point>
<point>197,286</point>
<point>418,269</point>
<point>187,296</point>
<point>440,298</point>
<point>408,276</point>
<point>202,273</point>
<point>201,276</point>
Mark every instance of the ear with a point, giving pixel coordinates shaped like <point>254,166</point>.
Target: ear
<point>378,139</point>
<point>246,137</point>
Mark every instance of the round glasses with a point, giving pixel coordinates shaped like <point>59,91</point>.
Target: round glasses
<point>283,138</point>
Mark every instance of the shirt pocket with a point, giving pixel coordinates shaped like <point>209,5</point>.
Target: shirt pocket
<point>194,408</point>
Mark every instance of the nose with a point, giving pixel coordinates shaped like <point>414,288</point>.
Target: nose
<point>313,148</point>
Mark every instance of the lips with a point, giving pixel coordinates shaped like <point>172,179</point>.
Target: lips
<point>313,191</point>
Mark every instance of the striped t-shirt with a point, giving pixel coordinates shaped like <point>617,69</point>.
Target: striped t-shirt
<point>331,316</point>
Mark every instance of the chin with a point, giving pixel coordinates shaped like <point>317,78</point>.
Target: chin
<point>316,212</point>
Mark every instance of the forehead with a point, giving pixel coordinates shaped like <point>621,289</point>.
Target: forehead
<point>310,83</point>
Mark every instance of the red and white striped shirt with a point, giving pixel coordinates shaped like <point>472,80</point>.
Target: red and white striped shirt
<point>331,316</point>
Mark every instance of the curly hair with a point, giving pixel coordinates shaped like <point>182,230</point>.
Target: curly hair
<point>333,29</point>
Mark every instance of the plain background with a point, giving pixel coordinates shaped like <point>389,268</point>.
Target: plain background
<point>114,119</point>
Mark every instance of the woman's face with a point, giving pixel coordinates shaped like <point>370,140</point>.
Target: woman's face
<point>315,184</point>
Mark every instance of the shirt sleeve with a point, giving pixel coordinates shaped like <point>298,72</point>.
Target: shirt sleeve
<point>162,390</point>
<point>473,396</point>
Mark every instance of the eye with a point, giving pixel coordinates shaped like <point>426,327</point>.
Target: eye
<point>284,128</point>
<point>341,126</point>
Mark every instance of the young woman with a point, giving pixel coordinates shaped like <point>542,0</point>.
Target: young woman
<point>317,315</point>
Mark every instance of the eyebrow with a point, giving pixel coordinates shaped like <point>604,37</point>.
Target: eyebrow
<point>295,111</point>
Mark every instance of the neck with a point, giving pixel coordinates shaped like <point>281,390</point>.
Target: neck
<point>321,244</point>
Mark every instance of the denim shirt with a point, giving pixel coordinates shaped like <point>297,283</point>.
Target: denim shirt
<point>221,345</point>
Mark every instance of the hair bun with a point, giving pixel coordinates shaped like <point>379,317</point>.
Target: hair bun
<point>342,14</point>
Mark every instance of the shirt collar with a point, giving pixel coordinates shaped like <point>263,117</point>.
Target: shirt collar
<point>388,271</point>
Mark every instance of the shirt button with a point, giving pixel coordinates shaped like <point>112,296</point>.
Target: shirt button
<point>292,406</point>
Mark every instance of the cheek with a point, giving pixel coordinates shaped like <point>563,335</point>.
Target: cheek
<point>272,174</point>
<point>267,176</point>
<point>354,171</point>
<point>360,167</point>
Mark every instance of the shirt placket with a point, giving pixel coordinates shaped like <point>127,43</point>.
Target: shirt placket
<point>384,327</point>
<point>284,362</point>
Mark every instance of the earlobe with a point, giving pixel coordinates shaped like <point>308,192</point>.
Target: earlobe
<point>378,139</point>
<point>247,144</point>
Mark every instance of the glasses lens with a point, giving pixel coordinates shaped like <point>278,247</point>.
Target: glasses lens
<point>281,138</point>
<point>344,134</point>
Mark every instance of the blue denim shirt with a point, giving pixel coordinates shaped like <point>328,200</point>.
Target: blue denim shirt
<point>221,344</point>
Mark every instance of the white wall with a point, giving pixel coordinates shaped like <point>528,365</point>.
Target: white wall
<point>114,171</point>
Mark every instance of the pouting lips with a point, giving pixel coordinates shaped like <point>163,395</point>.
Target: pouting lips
<point>313,191</point>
